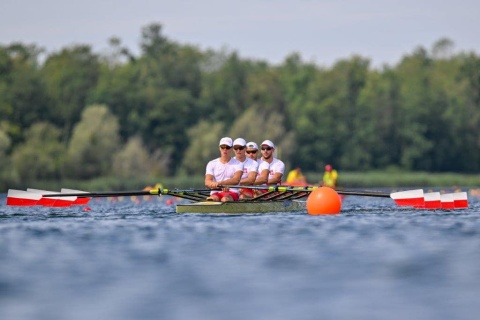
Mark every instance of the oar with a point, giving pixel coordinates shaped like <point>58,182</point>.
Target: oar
<point>68,197</point>
<point>402,198</point>
<point>412,198</point>
<point>153,192</point>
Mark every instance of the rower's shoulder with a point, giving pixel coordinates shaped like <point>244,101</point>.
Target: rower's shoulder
<point>214,161</point>
<point>250,161</point>
<point>234,161</point>
<point>277,161</point>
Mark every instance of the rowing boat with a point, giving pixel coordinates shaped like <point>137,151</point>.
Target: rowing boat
<point>238,207</point>
<point>274,199</point>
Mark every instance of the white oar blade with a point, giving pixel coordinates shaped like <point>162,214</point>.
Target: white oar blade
<point>79,200</point>
<point>460,200</point>
<point>432,200</point>
<point>52,201</point>
<point>22,198</point>
<point>411,198</point>
<point>447,201</point>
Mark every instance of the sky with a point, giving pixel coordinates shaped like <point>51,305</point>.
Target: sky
<point>321,31</point>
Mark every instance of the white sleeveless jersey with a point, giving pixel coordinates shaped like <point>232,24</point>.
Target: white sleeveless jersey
<point>275,166</point>
<point>249,165</point>
<point>262,165</point>
<point>223,171</point>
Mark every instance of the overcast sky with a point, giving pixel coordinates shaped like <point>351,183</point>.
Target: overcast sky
<point>322,31</point>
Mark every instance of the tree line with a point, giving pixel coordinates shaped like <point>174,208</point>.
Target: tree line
<point>77,114</point>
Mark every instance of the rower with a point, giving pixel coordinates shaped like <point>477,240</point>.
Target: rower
<point>224,170</point>
<point>250,167</point>
<point>277,167</point>
<point>263,170</point>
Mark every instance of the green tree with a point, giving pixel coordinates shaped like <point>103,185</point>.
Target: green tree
<point>69,76</point>
<point>41,155</point>
<point>22,98</point>
<point>463,115</point>
<point>224,88</point>
<point>134,161</point>
<point>203,146</point>
<point>7,175</point>
<point>94,142</point>
<point>168,79</point>
<point>378,143</point>
<point>417,111</point>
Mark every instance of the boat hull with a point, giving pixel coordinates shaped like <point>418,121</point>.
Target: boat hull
<point>210,207</point>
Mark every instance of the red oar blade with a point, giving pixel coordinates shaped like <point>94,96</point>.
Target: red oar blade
<point>433,200</point>
<point>460,200</point>
<point>52,201</point>
<point>79,200</point>
<point>22,198</point>
<point>413,198</point>
<point>447,201</point>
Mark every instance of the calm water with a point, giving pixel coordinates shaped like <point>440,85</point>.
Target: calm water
<point>128,260</point>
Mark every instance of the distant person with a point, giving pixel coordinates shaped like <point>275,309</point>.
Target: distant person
<point>250,167</point>
<point>296,178</point>
<point>224,170</point>
<point>330,177</point>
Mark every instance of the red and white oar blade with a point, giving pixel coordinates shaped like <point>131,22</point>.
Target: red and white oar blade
<point>433,200</point>
<point>53,201</point>
<point>447,201</point>
<point>79,200</point>
<point>22,198</point>
<point>460,200</point>
<point>413,198</point>
<point>46,202</point>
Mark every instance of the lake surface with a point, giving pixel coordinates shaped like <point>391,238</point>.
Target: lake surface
<point>140,260</point>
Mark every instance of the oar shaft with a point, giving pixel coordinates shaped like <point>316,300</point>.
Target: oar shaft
<point>152,192</point>
<point>176,192</point>
<point>282,188</point>
<point>103,194</point>
<point>364,193</point>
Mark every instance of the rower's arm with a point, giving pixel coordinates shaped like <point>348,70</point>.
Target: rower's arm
<point>233,180</point>
<point>262,178</point>
<point>276,179</point>
<point>209,181</point>
<point>250,179</point>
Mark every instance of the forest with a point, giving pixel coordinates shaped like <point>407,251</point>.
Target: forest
<point>78,114</point>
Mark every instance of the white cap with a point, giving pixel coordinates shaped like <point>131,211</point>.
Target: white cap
<point>226,141</point>
<point>252,145</point>
<point>268,143</point>
<point>239,142</point>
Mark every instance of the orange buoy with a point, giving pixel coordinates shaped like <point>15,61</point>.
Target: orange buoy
<point>324,200</point>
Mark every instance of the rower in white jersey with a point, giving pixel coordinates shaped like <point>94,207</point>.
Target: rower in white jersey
<point>224,170</point>
<point>263,166</point>
<point>250,167</point>
<point>277,167</point>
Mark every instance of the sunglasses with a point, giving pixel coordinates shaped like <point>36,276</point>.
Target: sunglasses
<point>266,149</point>
<point>238,148</point>
<point>252,151</point>
<point>225,147</point>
